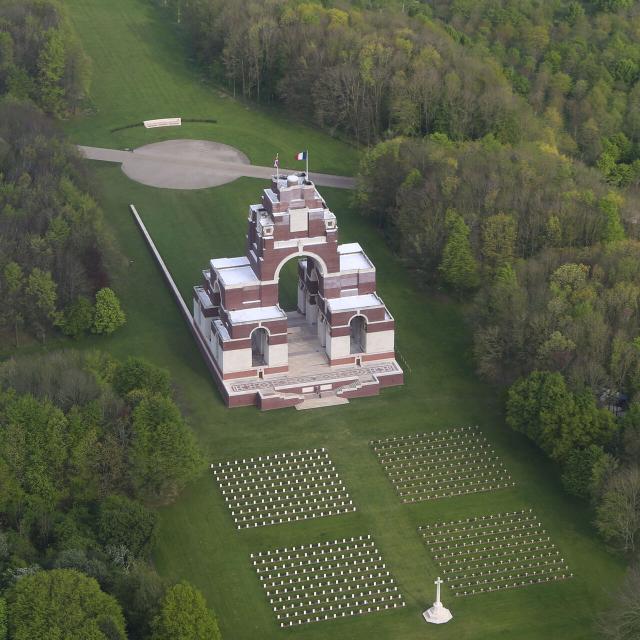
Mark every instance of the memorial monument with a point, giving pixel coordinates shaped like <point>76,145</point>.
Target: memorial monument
<point>339,343</point>
<point>438,613</point>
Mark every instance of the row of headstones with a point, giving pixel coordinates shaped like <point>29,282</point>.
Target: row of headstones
<point>479,488</point>
<point>276,457</point>
<point>399,461</point>
<point>473,534</point>
<point>317,559</point>
<point>427,450</point>
<point>451,482</point>
<point>420,470</point>
<point>504,567</point>
<point>345,566</point>
<point>332,615</point>
<point>419,436</point>
<point>322,579</point>
<point>330,597</point>
<point>278,484</point>
<point>329,588</point>
<point>271,519</point>
<point>466,458</point>
<point>308,482</point>
<point>498,556</point>
<point>470,551</point>
<point>275,473</point>
<point>295,498</point>
<point>524,575</point>
<point>477,524</point>
<point>493,516</point>
<point>514,585</point>
<point>311,550</point>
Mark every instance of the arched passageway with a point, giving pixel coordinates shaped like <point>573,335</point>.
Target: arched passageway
<point>358,334</point>
<point>259,347</point>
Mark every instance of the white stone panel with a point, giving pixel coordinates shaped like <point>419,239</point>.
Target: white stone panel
<point>278,355</point>
<point>380,341</point>
<point>338,346</point>
<point>298,219</point>
<point>236,360</point>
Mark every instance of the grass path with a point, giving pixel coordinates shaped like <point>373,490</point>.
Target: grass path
<point>138,63</point>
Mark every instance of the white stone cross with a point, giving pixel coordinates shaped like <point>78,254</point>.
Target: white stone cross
<point>438,582</point>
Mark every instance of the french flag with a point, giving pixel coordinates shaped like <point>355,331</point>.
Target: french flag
<point>301,156</point>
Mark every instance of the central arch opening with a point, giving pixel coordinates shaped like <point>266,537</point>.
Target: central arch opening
<point>298,288</point>
<point>358,334</point>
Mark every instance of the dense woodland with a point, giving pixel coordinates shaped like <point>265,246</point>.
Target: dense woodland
<point>85,456</point>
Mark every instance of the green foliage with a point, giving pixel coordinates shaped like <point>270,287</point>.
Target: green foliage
<point>578,471</point>
<point>108,314</point>
<point>541,407</point>
<point>78,318</point>
<point>51,236</point>
<point>164,455</point>
<point>136,373</point>
<point>40,58</point>
<point>4,622</point>
<point>458,267</point>
<point>610,207</point>
<point>621,621</point>
<point>63,603</point>
<point>618,513</point>
<point>124,522</point>
<point>499,233</point>
<point>185,616</point>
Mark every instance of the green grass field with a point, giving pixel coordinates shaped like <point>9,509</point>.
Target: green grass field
<point>137,60</point>
<point>140,72</point>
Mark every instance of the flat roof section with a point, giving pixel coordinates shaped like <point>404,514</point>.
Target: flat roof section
<point>354,303</point>
<point>237,276</point>
<point>257,314</point>
<point>225,263</point>
<point>353,258</point>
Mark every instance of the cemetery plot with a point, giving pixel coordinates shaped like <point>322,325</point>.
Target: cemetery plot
<point>284,487</point>
<point>494,552</point>
<point>441,464</point>
<point>326,580</point>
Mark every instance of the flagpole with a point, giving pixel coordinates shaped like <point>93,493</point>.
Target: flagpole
<point>307,154</point>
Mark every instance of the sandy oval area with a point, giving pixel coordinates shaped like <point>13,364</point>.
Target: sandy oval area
<point>184,164</point>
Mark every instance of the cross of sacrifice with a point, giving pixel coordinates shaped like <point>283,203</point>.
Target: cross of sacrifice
<point>438,582</point>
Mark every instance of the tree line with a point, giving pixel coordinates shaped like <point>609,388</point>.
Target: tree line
<point>41,58</point>
<point>89,446</point>
<point>576,62</point>
<point>360,73</point>
<point>55,254</point>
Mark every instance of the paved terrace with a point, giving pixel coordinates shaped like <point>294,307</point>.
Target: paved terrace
<point>195,164</point>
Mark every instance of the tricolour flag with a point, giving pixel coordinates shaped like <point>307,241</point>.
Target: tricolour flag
<point>301,156</point>
<point>276,162</point>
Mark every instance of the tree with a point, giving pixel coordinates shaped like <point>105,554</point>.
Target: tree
<point>4,623</point>
<point>78,317</point>
<point>618,514</point>
<point>610,207</point>
<point>458,266</point>
<point>499,234</point>
<point>108,314</point>
<point>137,373</point>
<point>621,620</point>
<point>42,289</point>
<point>124,522</point>
<point>63,603</point>
<point>578,472</point>
<point>184,616</point>
<point>164,453</point>
<point>541,407</point>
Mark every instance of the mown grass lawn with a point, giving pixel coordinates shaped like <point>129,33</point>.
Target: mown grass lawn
<point>197,538</point>
<point>139,71</point>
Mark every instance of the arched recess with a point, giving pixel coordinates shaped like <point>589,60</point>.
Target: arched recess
<point>358,334</point>
<point>259,347</point>
<point>302,254</point>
